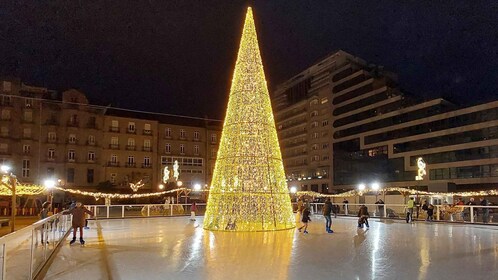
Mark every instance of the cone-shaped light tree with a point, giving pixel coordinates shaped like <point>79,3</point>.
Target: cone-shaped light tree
<point>248,189</point>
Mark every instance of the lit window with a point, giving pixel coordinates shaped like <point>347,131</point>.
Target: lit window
<point>324,100</point>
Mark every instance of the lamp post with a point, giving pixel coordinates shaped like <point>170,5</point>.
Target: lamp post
<point>49,185</point>
<point>11,184</point>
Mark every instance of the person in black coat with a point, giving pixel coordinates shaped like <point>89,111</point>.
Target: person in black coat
<point>305,219</point>
<point>327,210</point>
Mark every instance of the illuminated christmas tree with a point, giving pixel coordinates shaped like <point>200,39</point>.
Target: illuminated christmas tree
<point>248,190</point>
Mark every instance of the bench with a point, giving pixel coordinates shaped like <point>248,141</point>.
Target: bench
<point>4,221</point>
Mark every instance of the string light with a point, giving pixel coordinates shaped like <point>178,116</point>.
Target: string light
<point>403,191</point>
<point>249,192</point>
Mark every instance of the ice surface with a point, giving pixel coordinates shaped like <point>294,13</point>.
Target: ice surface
<point>175,248</point>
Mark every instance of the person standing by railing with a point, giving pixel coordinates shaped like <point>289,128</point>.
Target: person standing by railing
<point>409,210</point>
<point>485,211</point>
<point>327,210</point>
<point>345,206</point>
<point>44,213</point>
<point>380,207</point>
<point>78,220</point>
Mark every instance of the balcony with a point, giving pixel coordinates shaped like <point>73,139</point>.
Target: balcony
<point>113,164</point>
<point>146,165</point>
<point>51,158</point>
<point>91,125</point>
<point>131,147</point>
<point>114,146</point>
<point>168,137</point>
<point>147,132</point>
<point>92,143</point>
<point>53,122</point>
<point>72,141</point>
<point>92,160</point>
<point>131,131</point>
<point>147,149</point>
<point>73,123</point>
<point>113,129</point>
<point>71,159</point>
<point>131,164</point>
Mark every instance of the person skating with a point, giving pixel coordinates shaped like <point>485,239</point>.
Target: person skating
<point>305,219</point>
<point>44,213</point>
<point>327,209</point>
<point>430,212</point>
<point>363,217</point>
<point>78,213</point>
<point>193,210</point>
<point>409,210</point>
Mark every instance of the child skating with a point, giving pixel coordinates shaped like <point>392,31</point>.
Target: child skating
<point>305,219</point>
<point>78,213</point>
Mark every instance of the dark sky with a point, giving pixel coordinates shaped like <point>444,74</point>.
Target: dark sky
<point>178,56</point>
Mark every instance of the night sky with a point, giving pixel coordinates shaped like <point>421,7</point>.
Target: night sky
<point>178,56</point>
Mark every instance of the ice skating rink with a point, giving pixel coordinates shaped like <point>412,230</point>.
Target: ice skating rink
<point>176,248</point>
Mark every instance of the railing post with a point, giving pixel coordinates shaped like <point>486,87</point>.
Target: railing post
<point>4,260</point>
<point>346,210</point>
<point>122,211</point>
<point>438,213</point>
<point>472,214</point>
<point>148,210</point>
<point>107,210</point>
<point>33,232</point>
<point>171,210</point>
<point>384,209</point>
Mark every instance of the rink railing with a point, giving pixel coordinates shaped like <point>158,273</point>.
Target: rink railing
<point>144,210</point>
<point>448,213</point>
<point>23,254</point>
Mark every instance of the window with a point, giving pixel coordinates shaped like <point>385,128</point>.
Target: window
<point>167,132</point>
<point>196,135</point>
<point>26,132</point>
<point>167,148</point>
<point>51,154</point>
<point>196,149</point>
<point>91,156</point>
<point>131,144</point>
<point>89,176</point>
<point>183,134</point>
<point>314,147</point>
<point>114,123</point>
<point>147,147</point>
<point>4,148</point>
<point>213,138</point>
<point>6,100</point>
<point>146,161</point>
<point>71,155</point>
<point>52,137</point>
<point>314,124</point>
<point>70,175</point>
<point>325,145</point>
<point>114,158</point>
<point>114,143</point>
<point>7,86</point>
<point>315,135</point>
<point>5,114</point>
<point>314,102</point>
<point>324,100</point>
<point>72,139</point>
<point>25,168</point>
<point>73,120</point>
<point>4,131</point>
<point>26,149</point>
<point>182,149</point>
<point>50,172</point>
<point>131,127</point>
<point>325,158</point>
<point>113,178</point>
<point>91,140</point>
<point>147,129</point>
<point>325,123</point>
<point>213,153</point>
<point>314,114</point>
<point>28,102</point>
<point>28,116</point>
<point>131,160</point>
<point>315,158</point>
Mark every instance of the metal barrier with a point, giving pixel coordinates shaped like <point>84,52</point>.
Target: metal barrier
<point>448,213</point>
<point>24,253</point>
<point>144,210</point>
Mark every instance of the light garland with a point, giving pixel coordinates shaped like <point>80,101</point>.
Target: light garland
<point>21,189</point>
<point>403,191</point>
<point>421,169</point>
<point>136,186</point>
<point>249,192</point>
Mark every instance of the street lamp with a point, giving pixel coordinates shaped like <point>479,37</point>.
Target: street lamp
<point>197,187</point>
<point>179,183</point>
<point>49,185</point>
<point>293,190</point>
<point>161,186</point>
<point>11,184</point>
<point>361,187</point>
<point>375,186</point>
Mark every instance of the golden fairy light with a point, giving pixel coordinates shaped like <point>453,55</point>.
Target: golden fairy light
<point>249,192</point>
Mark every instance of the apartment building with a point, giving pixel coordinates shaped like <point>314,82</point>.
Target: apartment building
<point>343,122</point>
<point>44,134</point>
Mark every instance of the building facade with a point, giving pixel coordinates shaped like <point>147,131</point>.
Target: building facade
<point>44,134</point>
<point>343,123</point>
